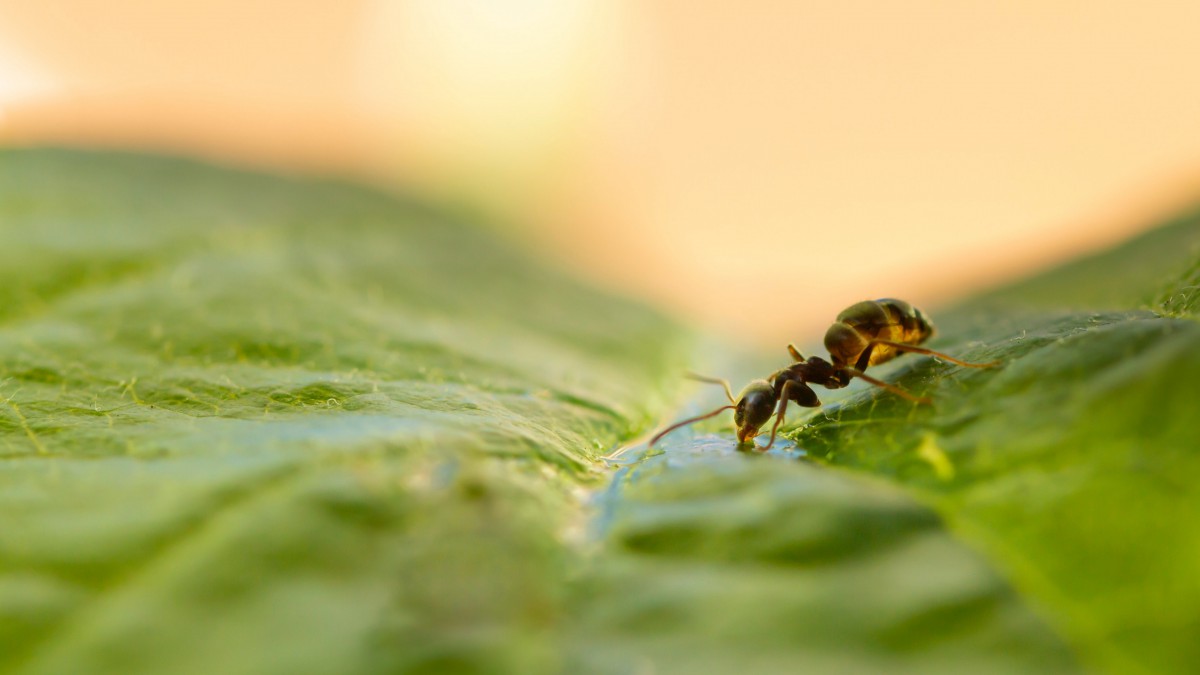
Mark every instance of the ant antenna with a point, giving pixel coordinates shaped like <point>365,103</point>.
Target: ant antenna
<point>715,380</point>
<point>688,421</point>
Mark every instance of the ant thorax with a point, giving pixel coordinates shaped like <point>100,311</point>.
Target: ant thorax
<point>815,370</point>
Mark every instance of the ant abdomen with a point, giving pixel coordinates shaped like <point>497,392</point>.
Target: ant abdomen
<point>871,324</point>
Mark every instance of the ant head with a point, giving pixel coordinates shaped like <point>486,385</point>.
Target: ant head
<point>754,407</point>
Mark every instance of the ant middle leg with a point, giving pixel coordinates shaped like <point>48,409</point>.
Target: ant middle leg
<point>864,359</point>
<point>796,355</point>
<point>900,346</point>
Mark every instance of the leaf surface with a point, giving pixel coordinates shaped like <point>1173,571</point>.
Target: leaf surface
<point>1038,517</point>
<point>253,424</point>
<point>1073,467</point>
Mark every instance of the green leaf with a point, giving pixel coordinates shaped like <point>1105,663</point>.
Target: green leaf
<point>1074,466</point>
<point>253,424</point>
<point>1119,278</point>
<point>724,562</point>
<point>1039,517</point>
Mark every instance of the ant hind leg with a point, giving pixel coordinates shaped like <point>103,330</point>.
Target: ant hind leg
<point>892,388</point>
<point>900,346</point>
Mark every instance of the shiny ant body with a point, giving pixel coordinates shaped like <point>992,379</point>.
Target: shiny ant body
<point>865,334</point>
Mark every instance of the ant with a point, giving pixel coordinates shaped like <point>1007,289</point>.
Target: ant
<point>865,334</point>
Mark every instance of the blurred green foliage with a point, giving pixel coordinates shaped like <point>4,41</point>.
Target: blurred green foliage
<point>254,424</point>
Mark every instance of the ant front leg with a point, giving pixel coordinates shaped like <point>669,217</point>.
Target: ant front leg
<point>793,390</point>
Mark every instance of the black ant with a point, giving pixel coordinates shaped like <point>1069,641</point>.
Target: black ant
<point>865,334</point>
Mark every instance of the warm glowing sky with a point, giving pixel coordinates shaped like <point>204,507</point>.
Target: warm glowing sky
<point>755,165</point>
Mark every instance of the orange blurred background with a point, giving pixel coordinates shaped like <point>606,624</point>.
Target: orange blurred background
<point>754,166</point>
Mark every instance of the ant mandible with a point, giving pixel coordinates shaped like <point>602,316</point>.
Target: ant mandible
<point>865,334</point>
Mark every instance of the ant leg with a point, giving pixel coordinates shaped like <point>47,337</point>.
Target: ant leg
<point>864,359</point>
<point>686,422</point>
<point>714,380</point>
<point>900,346</point>
<point>894,389</point>
<point>796,355</point>
<point>805,397</point>
<point>785,393</point>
